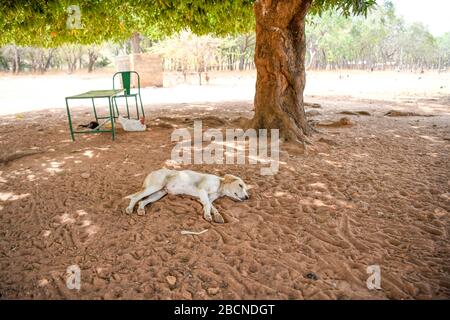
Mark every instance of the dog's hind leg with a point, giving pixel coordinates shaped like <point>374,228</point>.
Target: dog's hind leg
<point>139,195</point>
<point>152,198</point>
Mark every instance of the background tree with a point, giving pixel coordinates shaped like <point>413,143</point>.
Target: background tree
<point>187,51</point>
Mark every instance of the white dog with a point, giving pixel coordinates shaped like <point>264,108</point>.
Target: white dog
<point>205,187</point>
<point>131,124</point>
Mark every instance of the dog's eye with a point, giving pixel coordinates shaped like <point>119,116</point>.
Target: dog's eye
<point>241,186</point>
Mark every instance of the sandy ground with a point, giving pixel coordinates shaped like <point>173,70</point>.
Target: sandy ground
<point>33,92</point>
<point>374,193</point>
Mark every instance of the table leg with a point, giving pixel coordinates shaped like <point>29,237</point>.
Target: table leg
<point>128,110</point>
<point>70,120</point>
<point>142,106</point>
<point>95,111</point>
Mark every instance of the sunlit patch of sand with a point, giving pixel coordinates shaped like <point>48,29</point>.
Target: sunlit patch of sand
<point>86,223</point>
<point>55,167</point>
<point>103,148</point>
<point>91,230</point>
<point>31,177</point>
<point>333,163</point>
<point>319,185</point>
<point>88,153</point>
<point>433,154</point>
<point>10,196</point>
<point>46,233</point>
<point>66,218</point>
<point>344,204</point>
<point>2,180</point>
<point>54,170</point>
<point>445,196</point>
<point>432,139</point>
<point>173,164</point>
<point>319,203</point>
<point>439,212</point>
<point>81,212</point>
<point>43,282</point>
<point>360,155</point>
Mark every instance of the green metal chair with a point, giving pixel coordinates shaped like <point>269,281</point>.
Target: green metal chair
<point>126,86</point>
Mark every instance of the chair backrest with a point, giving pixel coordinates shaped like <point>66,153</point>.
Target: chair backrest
<point>126,81</point>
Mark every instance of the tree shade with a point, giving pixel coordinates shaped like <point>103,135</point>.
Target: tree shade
<point>279,26</point>
<point>43,23</point>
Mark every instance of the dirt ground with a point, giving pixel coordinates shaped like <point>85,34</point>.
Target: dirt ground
<point>376,192</point>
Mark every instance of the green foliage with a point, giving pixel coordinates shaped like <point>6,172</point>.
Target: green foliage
<point>380,40</point>
<point>42,23</point>
<point>443,44</point>
<point>103,62</point>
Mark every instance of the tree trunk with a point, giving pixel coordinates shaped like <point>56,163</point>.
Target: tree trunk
<point>49,59</point>
<point>280,64</point>
<point>92,59</point>
<point>242,53</point>
<point>16,61</point>
<point>136,42</point>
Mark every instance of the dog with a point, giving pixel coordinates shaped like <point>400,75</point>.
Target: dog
<point>91,125</point>
<point>206,187</point>
<point>131,124</point>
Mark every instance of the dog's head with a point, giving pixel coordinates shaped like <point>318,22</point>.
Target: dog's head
<point>234,187</point>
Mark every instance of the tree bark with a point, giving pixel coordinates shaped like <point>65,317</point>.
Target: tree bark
<point>136,42</point>
<point>280,64</point>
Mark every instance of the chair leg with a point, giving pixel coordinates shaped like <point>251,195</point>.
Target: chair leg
<point>137,108</point>
<point>142,106</point>
<point>128,110</point>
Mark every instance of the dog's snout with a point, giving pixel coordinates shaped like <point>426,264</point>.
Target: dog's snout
<point>246,197</point>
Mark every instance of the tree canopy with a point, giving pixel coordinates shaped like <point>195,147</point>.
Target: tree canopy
<point>43,23</point>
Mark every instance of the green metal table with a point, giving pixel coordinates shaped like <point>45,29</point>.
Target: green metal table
<point>96,94</point>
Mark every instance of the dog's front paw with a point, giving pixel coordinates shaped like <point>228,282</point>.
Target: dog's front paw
<point>141,211</point>
<point>208,218</point>
<point>218,218</point>
<point>129,210</point>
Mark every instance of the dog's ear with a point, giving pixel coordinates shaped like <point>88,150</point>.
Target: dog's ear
<point>228,178</point>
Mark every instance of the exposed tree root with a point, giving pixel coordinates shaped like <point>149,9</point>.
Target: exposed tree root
<point>355,113</point>
<point>312,113</point>
<point>397,113</point>
<point>328,141</point>
<point>18,155</point>
<point>342,122</point>
<point>312,105</point>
